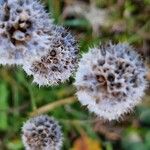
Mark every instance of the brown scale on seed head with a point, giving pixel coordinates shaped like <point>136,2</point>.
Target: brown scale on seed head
<point>101,79</point>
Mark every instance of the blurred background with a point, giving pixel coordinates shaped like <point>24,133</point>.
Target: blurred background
<point>91,22</point>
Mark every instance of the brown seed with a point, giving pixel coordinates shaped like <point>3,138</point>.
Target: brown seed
<point>7,12</point>
<point>116,94</point>
<point>48,61</point>
<point>43,135</point>
<point>18,10</point>
<point>101,62</point>
<point>35,69</point>
<point>111,77</point>
<point>101,79</point>
<point>55,60</point>
<point>118,85</point>
<point>53,53</point>
<point>54,68</point>
<point>43,59</point>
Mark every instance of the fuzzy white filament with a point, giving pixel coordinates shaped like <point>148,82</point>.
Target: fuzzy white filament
<point>110,80</point>
<point>42,133</point>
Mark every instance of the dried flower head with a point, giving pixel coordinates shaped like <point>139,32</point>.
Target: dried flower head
<point>110,80</point>
<point>42,133</point>
<point>58,63</point>
<point>23,30</point>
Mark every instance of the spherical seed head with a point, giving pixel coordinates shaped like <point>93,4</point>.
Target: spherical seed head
<point>23,30</point>
<point>110,80</point>
<point>42,133</point>
<point>60,61</point>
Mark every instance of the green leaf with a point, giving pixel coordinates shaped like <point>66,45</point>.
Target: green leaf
<point>80,23</point>
<point>135,146</point>
<point>55,9</point>
<point>145,117</point>
<point>15,145</point>
<point>147,140</point>
<point>3,106</point>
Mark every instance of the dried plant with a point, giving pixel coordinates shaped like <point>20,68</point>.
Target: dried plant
<point>23,30</point>
<point>110,80</point>
<point>59,62</point>
<point>42,133</point>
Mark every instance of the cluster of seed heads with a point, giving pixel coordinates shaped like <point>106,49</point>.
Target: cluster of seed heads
<point>42,133</point>
<point>110,80</point>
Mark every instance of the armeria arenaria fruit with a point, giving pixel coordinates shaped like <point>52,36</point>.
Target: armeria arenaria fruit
<point>110,80</point>
<point>42,133</point>
<point>60,61</point>
<point>24,25</point>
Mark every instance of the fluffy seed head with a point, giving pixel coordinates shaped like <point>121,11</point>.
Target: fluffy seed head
<point>23,28</point>
<point>110,80</point>
<point>42,133</point>
<point>58,63</point>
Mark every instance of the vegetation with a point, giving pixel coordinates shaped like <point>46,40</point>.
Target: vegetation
<point>121,21</point>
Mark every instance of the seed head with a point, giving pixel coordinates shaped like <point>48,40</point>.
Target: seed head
<point>110,80</point>
<point>60,61</point>
<point>23,30</point>
<point>42,133</point>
